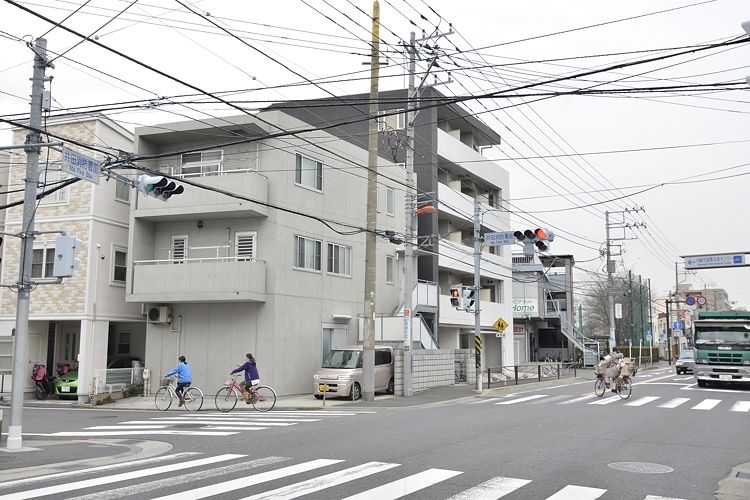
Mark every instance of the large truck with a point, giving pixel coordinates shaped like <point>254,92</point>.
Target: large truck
<point>722,347</point>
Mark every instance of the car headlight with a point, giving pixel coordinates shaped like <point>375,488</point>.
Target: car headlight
<point>345,377</point>
<point>701,361</point>
<point>679,363</point>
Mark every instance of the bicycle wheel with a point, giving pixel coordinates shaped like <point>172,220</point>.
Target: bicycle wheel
<point>599,387</point>
<point>41,392</point>
<point>226,399</point>
<point>263,398</point>
<point>163,399</point>
<point>193,399</point>
<point>624,388</point>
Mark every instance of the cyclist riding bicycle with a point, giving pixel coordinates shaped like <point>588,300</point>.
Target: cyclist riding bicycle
<point>252,377</point>
<point>182,370</point>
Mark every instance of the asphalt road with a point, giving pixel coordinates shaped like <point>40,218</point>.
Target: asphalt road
<point>669,439</point>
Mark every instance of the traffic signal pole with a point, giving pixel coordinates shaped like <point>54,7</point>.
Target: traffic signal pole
<point>21,342</point>
<point>477,285</point>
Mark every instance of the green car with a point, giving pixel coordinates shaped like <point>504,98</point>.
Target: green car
<point>66,386</point>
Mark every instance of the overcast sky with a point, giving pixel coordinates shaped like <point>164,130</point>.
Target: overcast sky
<point>657,151</point>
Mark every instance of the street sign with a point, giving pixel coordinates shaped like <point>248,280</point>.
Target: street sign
<point>690,301</point>
<point>716,260</point>
<point>648,337</point>
<point>502,238</point>
<point>701,300</point>
<point>500,325</point>
<point>661,335</point>
<point>677,325</point>
<point>80,166</point>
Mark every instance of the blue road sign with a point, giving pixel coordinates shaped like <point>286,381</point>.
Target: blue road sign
<point>677,325</point>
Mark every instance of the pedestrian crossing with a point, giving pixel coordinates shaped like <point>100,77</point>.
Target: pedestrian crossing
<point>194,475</point>
<point>213,424</point>
<point>591,399</point>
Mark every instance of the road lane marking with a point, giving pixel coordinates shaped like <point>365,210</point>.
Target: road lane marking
<point>572,492</point>
<point>125,427</point>
<point>124,476</point>
<point>520,400</point>
<point>741,406</point>
<point>497,487</point>
<point>654,497</point>
<point>134,433</point>
<point>674,403</point>
<point>706,404</point>
<point>407,485</point>
<point>488,400</point>
<point>550,400</point>
<point>606,401</point>
<point>244,482</point>
<point>226,428</point>
<point>642,401</point>
<point>322,482</point>
<point>582,398</point>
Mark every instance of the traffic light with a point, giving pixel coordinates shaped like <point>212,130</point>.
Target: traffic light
<point>539,237</point>
<point>469,299</point>
<point>65,256</point>
<point>457,297</point>
<point>158,186</point>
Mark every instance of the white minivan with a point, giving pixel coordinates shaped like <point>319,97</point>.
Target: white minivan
<point>341,374</point>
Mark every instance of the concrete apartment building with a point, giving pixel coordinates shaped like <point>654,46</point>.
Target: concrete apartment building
<point>84,321</point>
<point>221,276</point>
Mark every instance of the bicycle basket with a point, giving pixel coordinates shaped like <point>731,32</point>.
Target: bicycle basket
<point>38,372</point>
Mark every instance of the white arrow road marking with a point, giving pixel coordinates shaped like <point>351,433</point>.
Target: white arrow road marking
<point>125,476</point>
<point>497,487</point>
<point>407,485</point>
<point>520,400</point>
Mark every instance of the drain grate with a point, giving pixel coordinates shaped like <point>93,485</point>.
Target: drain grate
<point>641,467</point>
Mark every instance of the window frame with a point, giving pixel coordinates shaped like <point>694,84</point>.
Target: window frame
<point>254,251</point>
<point>331,248</point>
<point>59,197</point>
<point>383,120</point>
<point>47,267</point>
<point>113,272</point>
<point>203,163</point>
<point>176,237</point>
<point>121,186</point>
<point>390,268</point>
<point>299,159</point>
<point>390,201</point>
<point>316,259</point>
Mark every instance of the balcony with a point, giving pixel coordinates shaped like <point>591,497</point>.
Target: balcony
<point>489,313</point>
<point>196,202</point>
<point>458,257</point>
<point>459,205</point>
<point>209,279</point>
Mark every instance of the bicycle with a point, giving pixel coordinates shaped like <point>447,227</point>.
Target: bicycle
<point>165,395</point>
<point>262,397</point>
<point>623,386</point>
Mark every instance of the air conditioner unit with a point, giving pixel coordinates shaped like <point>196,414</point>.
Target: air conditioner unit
<point>160,314</point>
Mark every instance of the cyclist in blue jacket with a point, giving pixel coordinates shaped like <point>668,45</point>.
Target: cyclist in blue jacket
<point>252,377</point>
<point>182,370</point>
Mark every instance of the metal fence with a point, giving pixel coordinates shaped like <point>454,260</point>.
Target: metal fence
<point>116,379</point>
<point>533,372</point>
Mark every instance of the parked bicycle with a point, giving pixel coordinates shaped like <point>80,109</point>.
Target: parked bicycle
<point>165,395</point>
<point>43,382</point>
<point>262,397</point>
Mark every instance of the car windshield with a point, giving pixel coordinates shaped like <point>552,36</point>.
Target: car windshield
<point>687,355</point>
<point>343,359</point>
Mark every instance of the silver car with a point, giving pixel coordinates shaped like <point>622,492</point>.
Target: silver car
<point>686,362</point>
<point>341,373</point>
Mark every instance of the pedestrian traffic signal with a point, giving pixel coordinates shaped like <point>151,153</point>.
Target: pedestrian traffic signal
<point>65,256</point>
<point>457,297</point>
<point>469,299</point>
<point>158,186</point>
<point>539,237</point>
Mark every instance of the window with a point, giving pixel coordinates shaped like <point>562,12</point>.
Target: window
<point>202,163</point>
<point>309,173</point>
<point>42,262</point>
<point>390,201</point>
<point>49,179</point>
<point>244,245</point>
<point>383,357</point>
<point>123,345</point>
<point>339,259</point>
<point>390,263</point>
<point>179,249</point>
<point>122,191</point>
<point>392,122</point>
<point>120,269</point>
<point>307,253</point>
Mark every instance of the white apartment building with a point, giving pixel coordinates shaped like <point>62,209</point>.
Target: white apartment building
<point>84,321</point>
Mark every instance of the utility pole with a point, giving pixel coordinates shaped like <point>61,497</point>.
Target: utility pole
<point>409,216</point>
<point>610,290</point>
<point>477,287</point>
<point>368,349</point>
<point>630,313</point>
<point>21,343</point>
<point>669,330</point>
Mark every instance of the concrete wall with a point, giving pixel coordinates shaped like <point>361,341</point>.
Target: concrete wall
<point>435,368</point>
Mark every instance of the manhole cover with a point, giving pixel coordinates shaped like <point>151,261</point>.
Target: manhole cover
<point>641,467</point>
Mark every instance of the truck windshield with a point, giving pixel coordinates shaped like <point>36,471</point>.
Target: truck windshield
<point>710,337</point>
<point>343,359</point>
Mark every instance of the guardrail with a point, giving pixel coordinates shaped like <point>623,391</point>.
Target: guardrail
<point>537,372</point>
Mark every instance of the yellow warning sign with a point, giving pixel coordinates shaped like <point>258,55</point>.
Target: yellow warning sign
<point>500,325</point>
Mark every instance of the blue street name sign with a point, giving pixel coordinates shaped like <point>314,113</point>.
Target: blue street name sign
<point>502,238</point>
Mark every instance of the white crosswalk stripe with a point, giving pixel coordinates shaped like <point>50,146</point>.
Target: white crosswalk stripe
<point>642,401</point>
<point>706,404</point>
<point>606,401</point>
<point>674,403</point>
<point>215,424</point>
<point>521,400</point>
<point>741,406</point>
<point>236,475</point>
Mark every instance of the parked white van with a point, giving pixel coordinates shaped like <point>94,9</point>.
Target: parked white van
<point>341,374</point>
